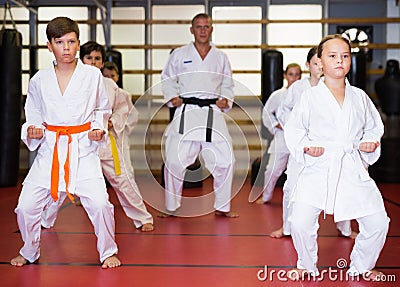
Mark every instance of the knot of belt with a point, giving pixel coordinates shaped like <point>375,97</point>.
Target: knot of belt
<point>200,103</point>
<point>335,169</point>
<point>348,148</point>
<point>55,168</point>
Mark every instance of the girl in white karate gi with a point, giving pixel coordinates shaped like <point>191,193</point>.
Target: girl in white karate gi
<point>334,133</point>
<point>65,110</point>
<point>277,149</point>
<point>283,112</point>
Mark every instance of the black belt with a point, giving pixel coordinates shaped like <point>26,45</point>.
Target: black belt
<point>200,103</point>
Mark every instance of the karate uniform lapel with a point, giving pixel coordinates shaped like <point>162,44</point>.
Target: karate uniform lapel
<point>340,117</point>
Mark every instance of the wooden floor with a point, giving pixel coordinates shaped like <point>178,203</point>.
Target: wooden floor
<point>200,251</point>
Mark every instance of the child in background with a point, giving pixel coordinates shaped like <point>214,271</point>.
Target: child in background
<point>277,149</point>
<point>124,184</point>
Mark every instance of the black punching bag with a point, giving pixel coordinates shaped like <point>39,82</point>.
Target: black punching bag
<point>271,80</point>
<point>10,106</point>
<point>116,57</point>
<point>388,89</point>
<point>387,168</point>
<point>271,74</point>
<point>358,72</point>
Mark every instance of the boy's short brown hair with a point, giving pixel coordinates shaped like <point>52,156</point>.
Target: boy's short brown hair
<point>60,26</point>
<point>91,46</point>
<point>111,66</point>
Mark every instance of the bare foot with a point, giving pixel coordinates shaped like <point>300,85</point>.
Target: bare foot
<point>296,274</point>
<point>163,215</point>
<point>77,201</point>
<point>278,233</point>
<point>111,262</point>
<point>261,201</point>
<point>353,235</point>
<point>229,214</point>
<point>19,261</point>
<point>373,275</point>
<point>147,227</point>
<point>166,215</point>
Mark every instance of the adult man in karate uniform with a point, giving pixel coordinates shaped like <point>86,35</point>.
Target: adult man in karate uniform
<point>197,80</point>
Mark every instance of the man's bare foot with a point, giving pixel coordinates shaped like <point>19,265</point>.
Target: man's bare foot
<point>373,275</point>
<point>111,262</point>
<point>229,214</point>
<point>261,201</point>
<point>163,215</point>
<point>296,274</point>
<point>278,233</point>
<point>19,261</point>
<point>147,227</point>
<point>168,213</point>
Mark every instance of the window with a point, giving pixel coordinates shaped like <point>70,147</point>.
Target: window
<point>241,34</point>
<point>299,33</point>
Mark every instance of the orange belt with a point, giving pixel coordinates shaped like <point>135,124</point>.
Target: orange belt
<point>55,168</point>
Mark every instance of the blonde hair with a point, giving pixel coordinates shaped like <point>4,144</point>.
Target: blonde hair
<point>292,65</point>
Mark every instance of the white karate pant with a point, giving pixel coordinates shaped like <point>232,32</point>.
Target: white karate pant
<point>368,244</point>
<point>276,165</point>
<point>219,160</point>
<point>125,186</point>
<point>286,209</point>
<point>343,226</point>
<point>94,198</point>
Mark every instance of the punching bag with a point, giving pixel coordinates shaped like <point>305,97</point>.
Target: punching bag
<point>358,71</point>
<point>271,80</point>
<point>271,74</point>
<point>10,106</point>
<point>387,168</point>
<point>388,89</point>
<point>116,57</point>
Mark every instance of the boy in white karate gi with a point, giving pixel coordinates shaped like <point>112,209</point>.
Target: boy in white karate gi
<point>334,133</point>
<point>115,156</point>
<point>66,109</point>
<point>197,80</point>
<point>126,117</point>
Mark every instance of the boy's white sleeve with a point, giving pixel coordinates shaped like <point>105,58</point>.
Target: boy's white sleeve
<point>33,114</point>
